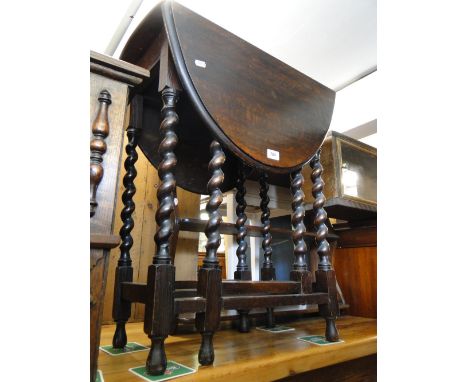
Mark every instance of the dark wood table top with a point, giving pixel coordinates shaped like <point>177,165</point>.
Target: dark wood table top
<point>264,112</point>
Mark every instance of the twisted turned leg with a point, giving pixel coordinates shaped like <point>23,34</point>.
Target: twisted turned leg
<point>242,271</point>
<point>267,272</point>
<point>159,307</point>
<point>300,270</point>
<point>121,309</point>
<point>209,276</point>
<point>325,276</point>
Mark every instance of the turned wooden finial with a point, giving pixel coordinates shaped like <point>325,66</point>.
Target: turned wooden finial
<point>100,130</point>
<point>167,185</point>
<point>216,198</point>
<point>297,220</point>
<point>319,213</point>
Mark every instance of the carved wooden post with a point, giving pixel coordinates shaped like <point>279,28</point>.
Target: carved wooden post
<point>300,271</point>
<point>297,220</point>
<point>121,309</point>
<point>159,307</point>
<point>242,270</point>
<point>100,130</point>
<point>267,272</point>
<point>209,276</point>
<point>326,279</point>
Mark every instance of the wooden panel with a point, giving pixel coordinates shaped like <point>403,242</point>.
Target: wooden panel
<point>116,69</point>
<point>356,272</point>
<point>258,101</point>
<point>358,237</point>
<point>265,301</point>
<point>102,221</point>
<point>102,241</point>
<point>257,356</point>
<point>99,259</point>
<point>358,370</point>
<point>241,287</point>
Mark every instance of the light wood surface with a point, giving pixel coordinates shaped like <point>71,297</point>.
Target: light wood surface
<point>255,356</point>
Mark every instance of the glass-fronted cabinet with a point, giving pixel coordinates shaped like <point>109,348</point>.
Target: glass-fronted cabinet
<point>350,175</point>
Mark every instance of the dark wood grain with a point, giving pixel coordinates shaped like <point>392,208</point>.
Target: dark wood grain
<point>159,314</point>
<point>267,271</point>
<point>325,275</point>
<point>243,86</point>
<point>121,309</point>
<point>350,210</point>
<point>356,270</point>
<point>213,237</point>
<point>260,287</point>
<point>106,74</point>
<point>339,204</point>
<point>297,222</point>
<point>265,301</point>
<point>240,103</point>
<point>137,292</point>
<point>190,305</point>
<point>198,225</point>
<point>358,237</point>
<point>101,241</point>
<point>134,292</point>
<point>282,313</point>
<point>98,146</point>
<point>117,69</point>
<point>102,221</point>
<point>242,271</point>
<point>99,260</point>
<point>357,370</point>
<point>207,322</point>
<point>167,185</point>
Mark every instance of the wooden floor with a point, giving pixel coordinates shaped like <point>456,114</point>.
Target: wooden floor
<point>254,356</point>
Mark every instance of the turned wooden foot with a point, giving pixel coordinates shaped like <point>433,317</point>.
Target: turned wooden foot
<point>120,336</point>
<point>331,333</point>
<point>156,362</point>
<point>206,353</point>
<point>244,322</point>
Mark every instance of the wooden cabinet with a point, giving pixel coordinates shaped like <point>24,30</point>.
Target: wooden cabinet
<point>350,175</point>
<point>109,88</point>
<point>355,263</point>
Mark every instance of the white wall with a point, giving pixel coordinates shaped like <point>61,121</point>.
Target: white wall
<point>356,106</point>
